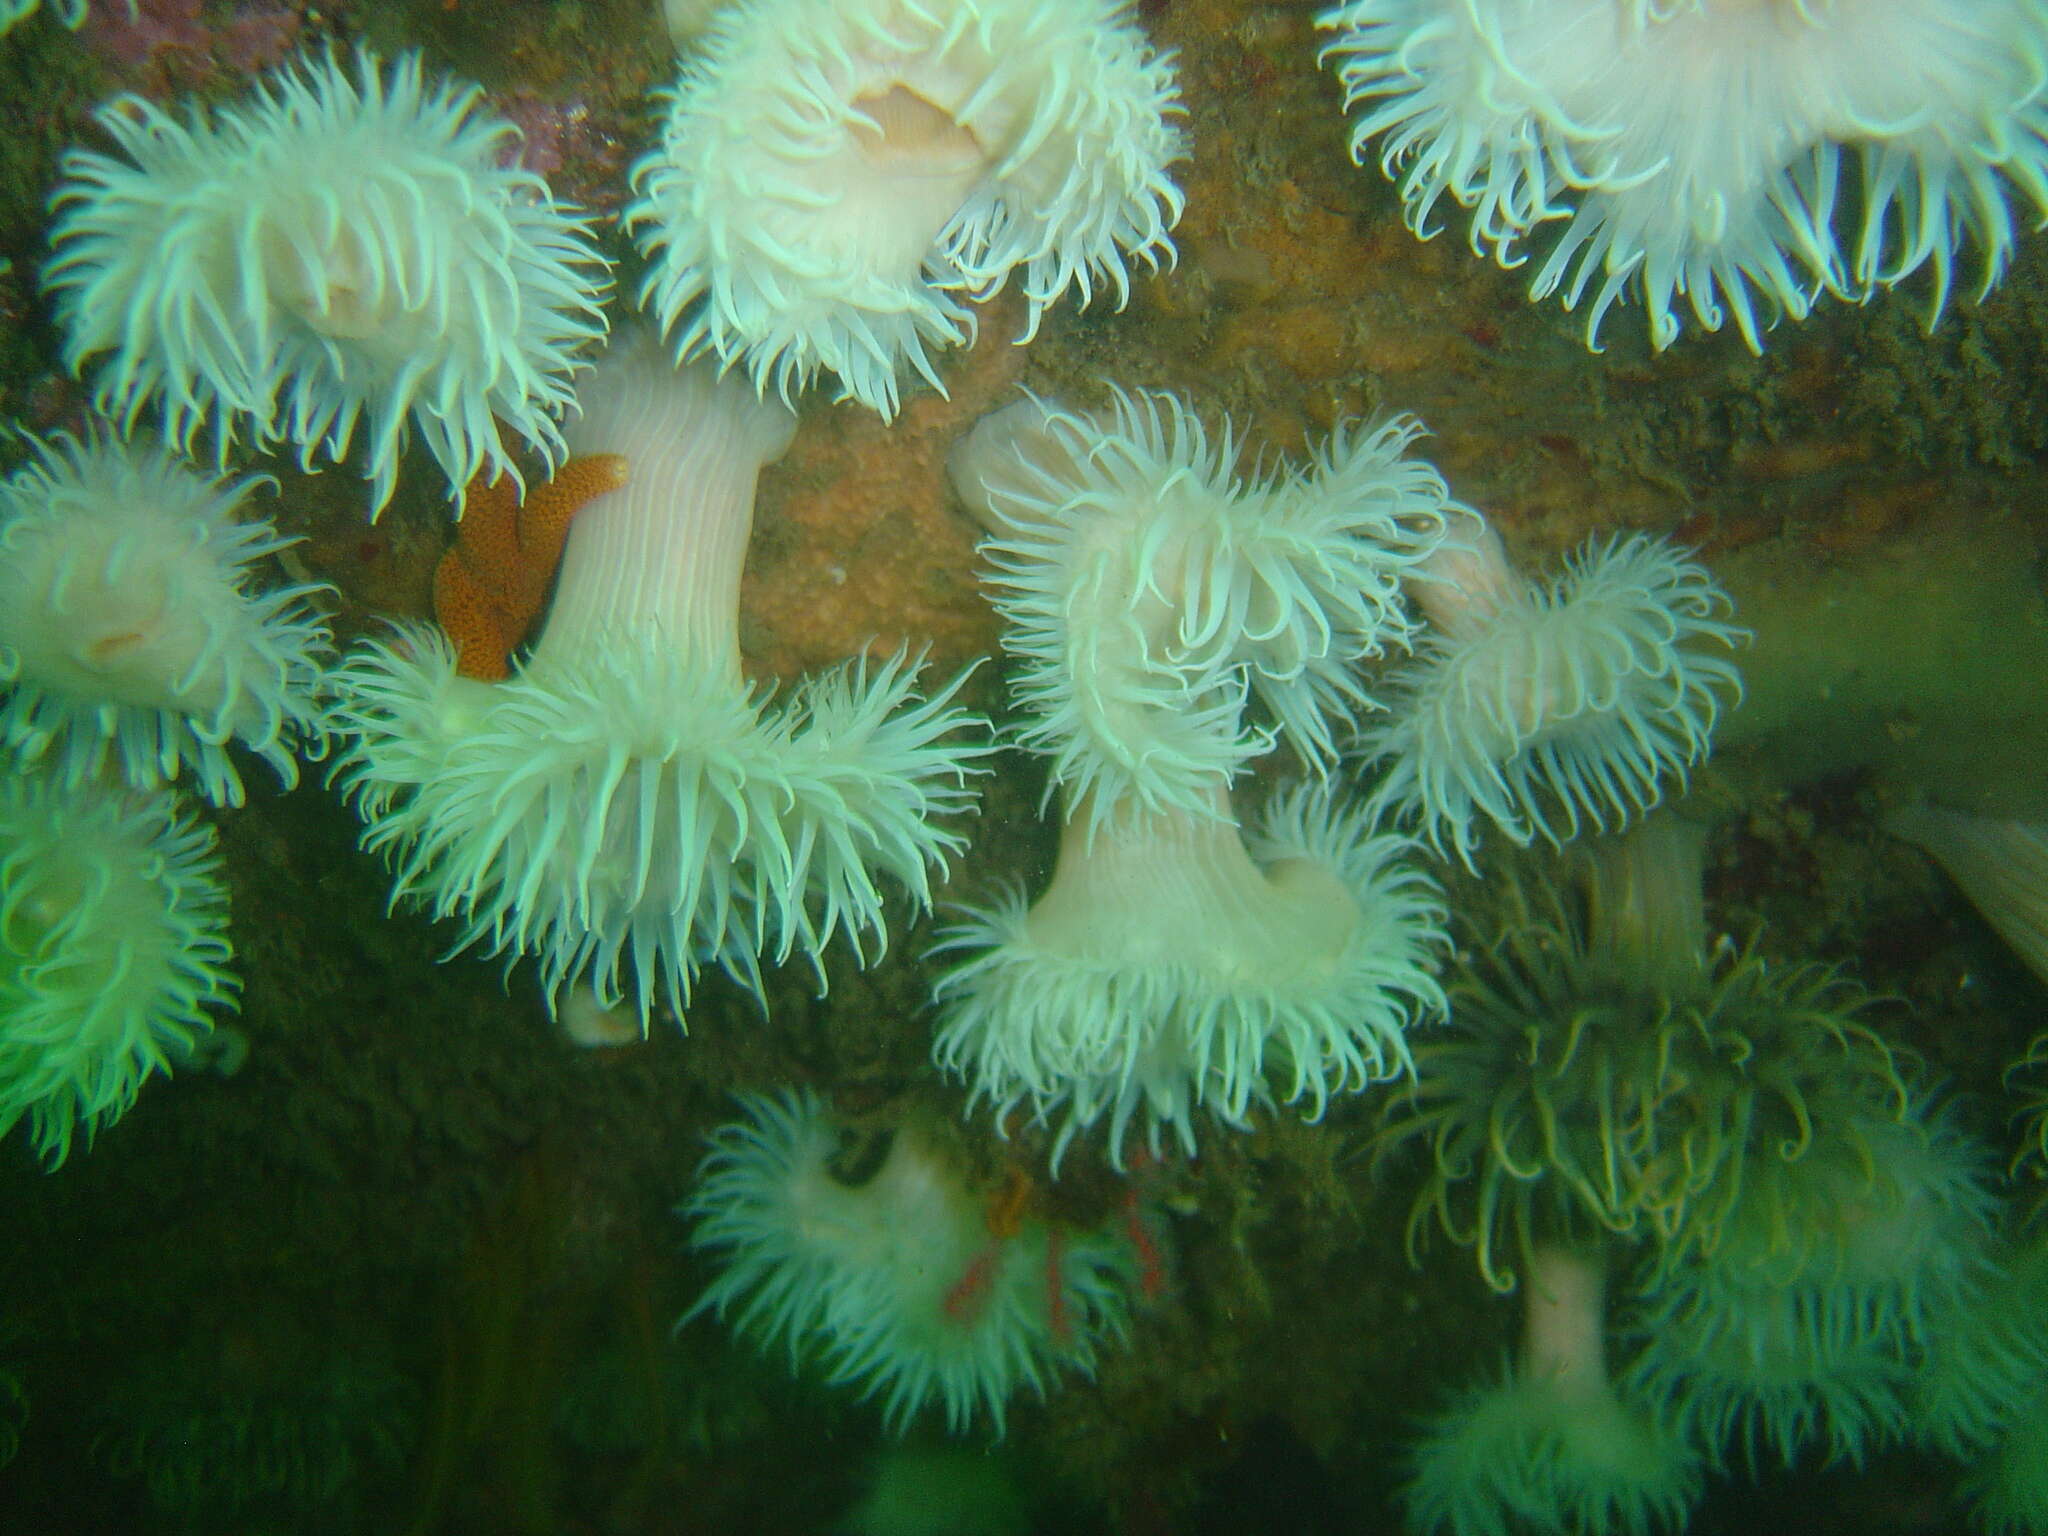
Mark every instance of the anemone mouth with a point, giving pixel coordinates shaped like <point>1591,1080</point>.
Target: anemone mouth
<point>337,289</point>
<point>902,133</point>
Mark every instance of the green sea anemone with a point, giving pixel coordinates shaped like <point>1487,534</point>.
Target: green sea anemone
<point>113,951</point>
<point>265,1418</point>
<point>1600,1073</point>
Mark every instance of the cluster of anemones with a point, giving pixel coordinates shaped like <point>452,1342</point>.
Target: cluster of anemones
<point>1154,600</point>
<point>1742,157</point>
<point>1803,1230</point>
<point>138,646</point>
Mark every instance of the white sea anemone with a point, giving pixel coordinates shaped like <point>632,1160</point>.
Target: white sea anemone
<point>839,179</point>
<point>1744,155</point>
<point>113,947</point>
<point>881,1261</point>
<point>1151,595</point>
<point>133,635</point>
<point>1554,1447</point>
<point>1540,708</point>
<point>1171,966</point>
<point>627,807</point>
<point>333,251</point>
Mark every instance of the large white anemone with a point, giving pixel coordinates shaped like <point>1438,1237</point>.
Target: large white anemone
<point>839,179</point>
<point>132,632</point>
<point>628,807</point>
<point>113,949</point>
<point>333,252</point>
<point>1740,156</point>
<point>1171,965</point>
<point>1542,707</point>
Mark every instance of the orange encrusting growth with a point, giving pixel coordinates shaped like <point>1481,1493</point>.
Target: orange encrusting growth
<point>493,581</point>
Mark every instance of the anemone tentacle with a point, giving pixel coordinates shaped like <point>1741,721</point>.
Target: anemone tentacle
<point>334,253</point>
<point>133,638</point>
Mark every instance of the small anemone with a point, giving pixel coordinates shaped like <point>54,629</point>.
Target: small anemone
<point>1173,964</point>
<point>885,1266</point>
<point>113,951</point>
<point>1151,594</point>
<point>1553,1446</point>
<point>1547,708</point>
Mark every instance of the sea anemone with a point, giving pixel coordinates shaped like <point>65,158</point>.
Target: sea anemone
<point>262,1423</point>
<point>113,947</point>
<point>330,251</point>
<point>1985,1357</point>
<point>1604,1076</point>
<point>131,627</point>
<point>1171,965</point>
<point>877,1257</point>
<point>1828,1285</point>
<point>839,179</point>
<point>627,806</point>
<point>1698,147</point>
<point>1553,1447</point>
<point>1545,707</point>
<point>1151,595</point>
